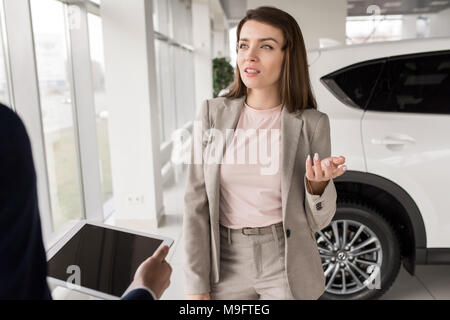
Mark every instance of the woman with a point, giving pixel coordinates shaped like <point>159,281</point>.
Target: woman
<point>249,233</point>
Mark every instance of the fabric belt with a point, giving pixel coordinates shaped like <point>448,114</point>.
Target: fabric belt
<point>255,230</point>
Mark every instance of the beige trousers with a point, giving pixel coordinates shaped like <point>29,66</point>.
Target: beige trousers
<point>252,266</point>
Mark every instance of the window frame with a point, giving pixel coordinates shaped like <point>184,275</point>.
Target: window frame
<point>27,103</point>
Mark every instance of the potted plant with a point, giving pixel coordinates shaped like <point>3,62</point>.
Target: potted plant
<point>223,74</point>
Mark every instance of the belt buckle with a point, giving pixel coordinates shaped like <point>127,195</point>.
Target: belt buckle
<point>252,231</point>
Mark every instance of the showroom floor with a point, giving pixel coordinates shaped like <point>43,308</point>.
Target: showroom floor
<point>431,282</point>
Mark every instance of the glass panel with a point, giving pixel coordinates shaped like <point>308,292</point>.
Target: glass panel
<point>232,45</point>
<point>101,108</point>
<point>184,85</point>
<point>161,16</point>
<point>175,67</point>
<point>57,110</point>
<point>354,84</point>
<point>415,83</point>
<point>188,28</point>
<point>190,74</point>
<point>168,98</point>
<point>181,13</point>
<point>180,88</point>
<point>155,15</point>
<point>4,90</point>
<point>160,93</point>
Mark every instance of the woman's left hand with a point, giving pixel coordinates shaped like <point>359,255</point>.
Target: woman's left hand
<point>321,171</point>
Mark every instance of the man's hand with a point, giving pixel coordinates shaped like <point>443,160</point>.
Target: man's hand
<point>204,296</point>
<point>154,273</point>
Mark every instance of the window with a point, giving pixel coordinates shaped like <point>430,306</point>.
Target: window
<point>182,26</point>
<point>354,85</point>
<point>161,16</point>
<point>53,67</point>
<point>184,85</point>
<point>4,88</point>
<point>174,64</point>
<point>166,93</point>
<point>101,108</point>
<point>417,83</point>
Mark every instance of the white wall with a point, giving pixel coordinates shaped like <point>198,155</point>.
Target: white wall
<point>409,26</point>
<point>133,113</point>
<point>440,24</point>
<point>317,19</point>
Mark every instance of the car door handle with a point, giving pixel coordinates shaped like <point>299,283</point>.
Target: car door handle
<point>392,141</point>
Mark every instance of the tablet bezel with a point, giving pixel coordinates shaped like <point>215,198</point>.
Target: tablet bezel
<point>67,236</point>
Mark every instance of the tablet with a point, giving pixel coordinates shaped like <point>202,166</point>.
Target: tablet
<point>100,260</point>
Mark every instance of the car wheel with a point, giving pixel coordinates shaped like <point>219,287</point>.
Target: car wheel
<point>359,251</point>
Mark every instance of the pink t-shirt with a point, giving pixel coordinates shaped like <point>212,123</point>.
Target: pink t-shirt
<point>250,187</point>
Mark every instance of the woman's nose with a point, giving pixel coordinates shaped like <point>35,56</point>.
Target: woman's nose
<point>250,55</point>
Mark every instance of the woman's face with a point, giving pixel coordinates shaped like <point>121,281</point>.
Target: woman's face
<point>259,48</point>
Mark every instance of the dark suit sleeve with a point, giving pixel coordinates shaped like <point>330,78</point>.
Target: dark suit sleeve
<point>138,294</point>
<point>23,265</point>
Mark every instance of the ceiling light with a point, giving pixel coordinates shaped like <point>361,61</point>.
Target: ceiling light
<point>439,3</point>
<point>421,9</point>
<point>393,4</point>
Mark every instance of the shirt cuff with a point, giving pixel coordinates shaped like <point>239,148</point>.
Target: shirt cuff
<point>149,291</point>
<point>314,198</point>
<point>310,195</point>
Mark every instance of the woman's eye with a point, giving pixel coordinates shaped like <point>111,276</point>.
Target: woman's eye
<point>266,45</point>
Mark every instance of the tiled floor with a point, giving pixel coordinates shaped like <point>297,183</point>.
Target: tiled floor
<point>431,282</point>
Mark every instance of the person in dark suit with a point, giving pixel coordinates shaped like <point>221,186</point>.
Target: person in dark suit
<point>23,265</point>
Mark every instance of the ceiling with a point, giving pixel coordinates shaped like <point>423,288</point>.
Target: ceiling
<point>235,9</point>
<point>388,7</point>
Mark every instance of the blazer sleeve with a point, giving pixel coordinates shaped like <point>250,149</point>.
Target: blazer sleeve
<point>196,224</point>
<point>139,294</point>
<point>320,209</point>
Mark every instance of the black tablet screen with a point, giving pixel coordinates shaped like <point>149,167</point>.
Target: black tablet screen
<point>106,259</point>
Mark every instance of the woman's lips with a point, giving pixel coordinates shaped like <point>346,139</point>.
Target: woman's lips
<point>251,74</point>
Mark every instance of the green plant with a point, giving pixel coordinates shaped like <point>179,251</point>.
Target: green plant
<point>223,74</point>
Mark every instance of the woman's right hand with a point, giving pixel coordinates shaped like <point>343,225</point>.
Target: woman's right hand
<point>203,296</point>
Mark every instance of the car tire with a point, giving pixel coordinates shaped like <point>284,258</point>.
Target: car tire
<point>357,212</point>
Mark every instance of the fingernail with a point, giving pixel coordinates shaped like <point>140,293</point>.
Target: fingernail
<point>307,158</point>
<point>344,168</point>
<point>316,156</point>
<point>327,162</point>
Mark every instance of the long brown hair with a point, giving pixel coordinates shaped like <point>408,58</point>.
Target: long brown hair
<point>295,86</point>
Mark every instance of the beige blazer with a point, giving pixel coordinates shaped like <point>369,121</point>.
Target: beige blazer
<point>304,214</point>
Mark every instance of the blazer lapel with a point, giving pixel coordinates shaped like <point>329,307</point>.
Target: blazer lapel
<point>227,117</point>
<point>291,127</point>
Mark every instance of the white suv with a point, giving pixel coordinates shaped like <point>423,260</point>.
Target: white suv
<point>389,109</point>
